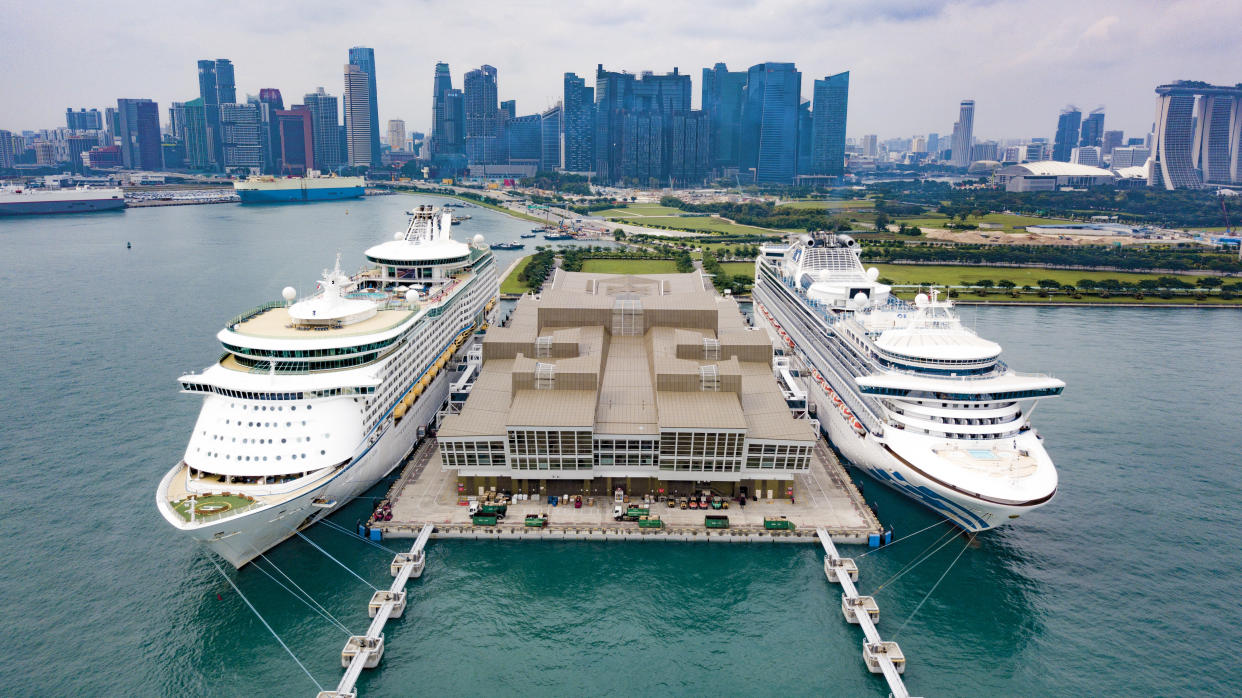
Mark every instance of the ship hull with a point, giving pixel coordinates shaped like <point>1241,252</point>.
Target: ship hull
<point>298,195</point>
<point>242,538</point>
<point>36,208</point>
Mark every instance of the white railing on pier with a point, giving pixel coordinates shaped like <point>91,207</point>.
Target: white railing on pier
<point>365,651</point>
<point>874,645</point>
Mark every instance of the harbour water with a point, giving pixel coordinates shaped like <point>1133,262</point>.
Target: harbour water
<point>1127,583</point>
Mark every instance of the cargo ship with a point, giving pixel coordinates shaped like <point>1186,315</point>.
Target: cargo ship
<point>272,190</point>
<point>20,201</point>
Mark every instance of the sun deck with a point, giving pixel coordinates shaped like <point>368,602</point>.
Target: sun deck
<point>225,499</point>
<point>277,323</point>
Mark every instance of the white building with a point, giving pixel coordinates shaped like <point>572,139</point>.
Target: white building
<point>1086,155</point>
<point>1130,156</point>
<point>1050,175</point>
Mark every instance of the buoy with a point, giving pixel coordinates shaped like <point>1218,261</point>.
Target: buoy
<point>128,246</point>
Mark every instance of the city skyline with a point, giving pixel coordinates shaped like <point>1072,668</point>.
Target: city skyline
<point>1109,54</point>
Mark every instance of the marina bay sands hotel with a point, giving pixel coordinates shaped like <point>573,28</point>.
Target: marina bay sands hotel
<point>1198,139</point>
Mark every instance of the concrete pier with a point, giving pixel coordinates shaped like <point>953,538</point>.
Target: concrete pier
<point>824,498</point>
<point>880,656</point>
<point>365,651</point>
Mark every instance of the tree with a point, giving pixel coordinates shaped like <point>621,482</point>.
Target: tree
<point>1006,284</point>
<point>1087,284</point>
<point>1049,283</point>
<point>881,221</point>
<point>1210,282</point>
<point>985,283</point>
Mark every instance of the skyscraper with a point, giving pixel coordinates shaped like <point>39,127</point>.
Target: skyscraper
<point>1216,129</point>
<point>1111,140</point>
<point>550,137</point>
<point>723,93</point>
<point>1068,128</point>
<point>524,141</point>
<point>1092,131</point>
<point>933,143</point>
<point>964,134</point>
<point>614,98</point>
<point>83,120</point>
<point>297,149</point>
<point>508,109</point>
<point>325,129</point>
<point>197,151</point>
<point>443,83</point>
<point>139,132</point>
<point>806,127</point>
<point>215,87</point>
<point>241,130</point>
<point>690,147</point>
<point>176,121</point>
<point>364,58</point>
<point>483,119</point>
<point>271,101</point>
<point>578,126</point>
<point>396,134</point>
<point>357,116</point>
<point>828,135</point>
<point>1173,164</point>
<point>769,141</point>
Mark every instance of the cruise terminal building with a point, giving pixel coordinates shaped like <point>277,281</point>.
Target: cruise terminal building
<point>651,384</point>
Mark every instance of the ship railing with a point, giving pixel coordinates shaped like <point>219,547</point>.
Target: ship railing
<point>253,312</point>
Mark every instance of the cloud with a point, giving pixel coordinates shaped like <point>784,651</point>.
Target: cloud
<point>911,61</point>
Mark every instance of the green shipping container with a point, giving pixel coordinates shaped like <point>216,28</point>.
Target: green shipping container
<point>716,521</point>
<point>781,524</point>
<point>484,519</point>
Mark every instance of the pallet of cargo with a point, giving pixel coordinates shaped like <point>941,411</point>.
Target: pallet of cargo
<point>537,520</point>
<point>650,522</point>
<point>483,519</point>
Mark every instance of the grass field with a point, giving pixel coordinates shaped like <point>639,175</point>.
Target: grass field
<point>746,269</point>
<point>1022,276</point>
<point>833,204</point>
<point>629,266</point>
<point>639,210</point>
<point>1009,223</point>
<point>705,224</point>
<point>511,284</point>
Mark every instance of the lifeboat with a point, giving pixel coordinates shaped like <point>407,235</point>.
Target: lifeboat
<point>399,412</point>
<point>408,399</point>
<point>846,411</point>
<point>423,383</point>
<point>858,427</point>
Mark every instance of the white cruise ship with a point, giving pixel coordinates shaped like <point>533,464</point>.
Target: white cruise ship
<point>905,392</point>
<point>316,399</point>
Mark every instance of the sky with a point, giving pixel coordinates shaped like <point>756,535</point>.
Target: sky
<point>911,61</point>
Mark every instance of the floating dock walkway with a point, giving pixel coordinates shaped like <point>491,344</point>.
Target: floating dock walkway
<point>880,656</point>
<point>365,651</point>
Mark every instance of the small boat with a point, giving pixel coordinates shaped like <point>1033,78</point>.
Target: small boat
<point>557,236</point>
<point>530,235</point>
<point>508,246</point>
<point>535,230</point>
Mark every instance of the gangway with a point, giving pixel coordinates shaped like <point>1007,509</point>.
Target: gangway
<point>880,656</point>
<point>365,651</point>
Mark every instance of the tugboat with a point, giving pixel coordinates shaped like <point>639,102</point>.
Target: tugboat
<point>531,235</point>
<point>508,246</point>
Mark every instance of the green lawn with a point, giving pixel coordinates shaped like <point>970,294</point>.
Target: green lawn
<point>1009,223</point>
<point>212,504</point>
<point>511,283</point>
<point>746,269</point>
<point>629,266</point>
<point>833,204</point>
<point>705,224</point>
<point>639,210</point>
<point>1022,276</point>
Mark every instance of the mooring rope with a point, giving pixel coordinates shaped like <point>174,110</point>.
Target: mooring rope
<point>911,535</point>
<point>350,533</point>
<point>265,624</point>
<point>927,596</point>
<point>918,561</point>
<point>342,564</point>
<point>309,604</point>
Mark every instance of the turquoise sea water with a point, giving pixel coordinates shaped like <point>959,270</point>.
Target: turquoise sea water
<point>1127,583</point>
